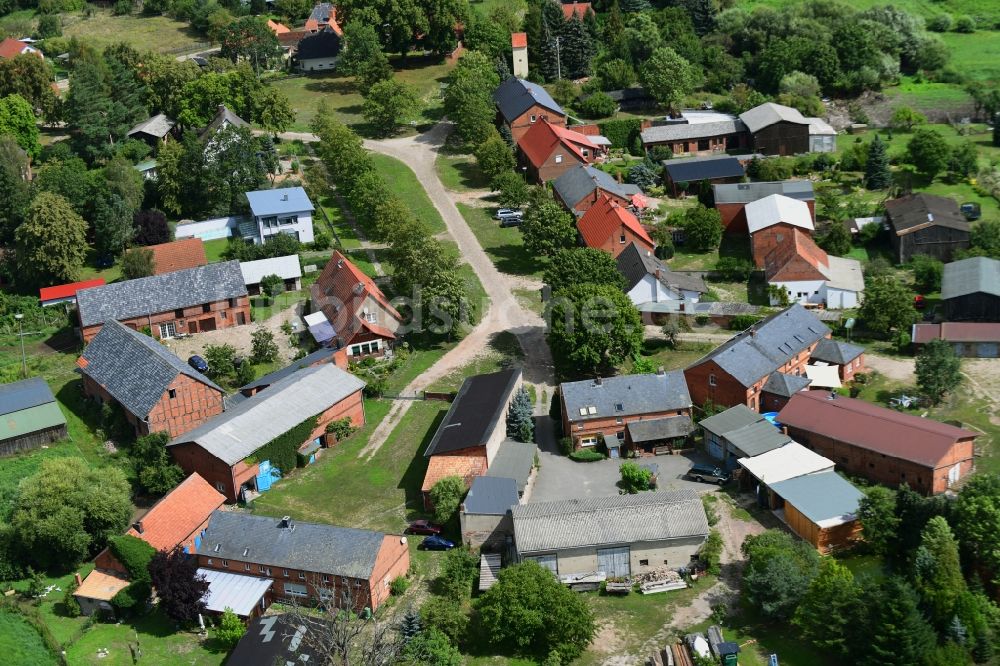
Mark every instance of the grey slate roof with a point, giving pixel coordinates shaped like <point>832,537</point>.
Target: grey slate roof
<point>649,430</point>
<point>687,170</point>
<point>134,368</point>
<point>915,211</point>
<point>515,96</point>
<point>237,433</point>
<point>24,394</point>
<point>841,353</point>
<point>491,495</point>
<point>581,180</point>
<point>323,44</point>
<point>971,276</point>
<point>780,383</point>
<point>160,293</point>
<point>747,192</point>
<point>733,418</point>
<point>636,394</point>
<point>321,355</point>
<point>683,131</point>
<point>223,118</point>
<point>821,496</point>
<point>478,407</point>
<point>757,438</point>
<point>618,519</point>
<point>770,113</point>
<point>325,549</point>
<point>769,344</point>
<point>635,264</point>
<point>514,460</point>
<point>158,126</point>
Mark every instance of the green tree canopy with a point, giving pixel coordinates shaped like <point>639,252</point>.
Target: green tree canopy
<point>667,77</point>
<point>137,263</point>
<point>702,227</point>
<point>249,39</point>
<point>928,152</point>
<point>877,173</point>
<point>158,474</point>
<point>51,243</point>
<point>388,104</point>
<point>547,227</point>
<point>938,370</point>
<point>937,572</point>
<point>879,522</point>
<point>18,120</point>
<point>494,156</point>
<point>446,496</point>
<point>887,305</point>
<point>593,329</point>
<point>582,265</point>
<point>779,571</point>
<point>826,611</point>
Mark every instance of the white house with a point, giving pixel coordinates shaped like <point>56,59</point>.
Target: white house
<point>648,280</point>
<point>807,274</point>
<point>284,211</point>
<point>319,52</point>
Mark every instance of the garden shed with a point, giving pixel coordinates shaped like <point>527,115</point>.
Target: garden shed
<point>29,416</point>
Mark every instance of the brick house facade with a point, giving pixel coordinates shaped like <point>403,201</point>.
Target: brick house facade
<point>521,104</point>
<point>612,228</point>
<point>547,151</point>
<point>734,216</point>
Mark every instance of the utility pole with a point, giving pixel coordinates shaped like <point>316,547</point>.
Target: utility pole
<point>558,61</point>
<point>20,334</point>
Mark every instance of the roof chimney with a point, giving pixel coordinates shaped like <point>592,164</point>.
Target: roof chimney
<point>138,526</point>
<point>284,197</point>
<point>79,581</point>
<point>286,521</point>
<point>660,371</point>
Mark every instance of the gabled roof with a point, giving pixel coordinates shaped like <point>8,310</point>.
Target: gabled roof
<point>178,255</point>
<point>635,264</point>
<point>67,290</point>
<point>614,520</point>
<point>605,218</point>
<point>544,138</point>
<point>798,258</point>
<point>223,118</point>
<point>515,96</point>
<point>287,268</point>
<point>731,419</point>
<point>518,40</point>
<point>757,438</point>
<point>787,462</point>
<point>478,407</point>
<point>649,430</point>
<point>576,9</point>
<point>917,211</point>
<point>491,495</point>
<point>324,44</point>
<point>237,433</point>
<point>313,547</point>
<point>871,427</point>
<point>687,131</point>
<point>693,169</point>
<point>580,181</point>
<point>134,368</point>
<point>827,499</point>
<point>339,293</point>
<point>160,293</point>
<point>277,28</point>
<point>635,394</point>
<point>747,192</point>
<point>819,127</point>
<point>11,48</point>
<point>179,513</point>
<point>101,586</point>
<point>785,385</point>
<point>778,209</point>
<point>767,345</point>
<point>835,351</point>
<point>768,114</point>
<point>279,202</point>
<point>158,126</point>
<point>25,394</point>
<point>322,355</point>
<point>971,276</point>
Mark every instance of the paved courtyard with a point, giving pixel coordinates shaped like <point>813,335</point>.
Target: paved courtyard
<point>560,478</point>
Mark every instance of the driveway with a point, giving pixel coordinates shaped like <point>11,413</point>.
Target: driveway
<point>560,478</point>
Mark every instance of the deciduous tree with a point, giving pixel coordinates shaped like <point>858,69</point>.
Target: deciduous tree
<point>151,227</point>
<point>702,228</point>
<point>667,77</point>
<point>582,265</point>
<point>446,495</point>
<point>248,38</point>
<point>938,370</point>
<point>388,104</point>
<point>879,522</point>
<point>158,474</point>
<point>887,305</point>
<point>137,263</point>
<point>779,571</point>
<point>494,156</point>
<point>51,243</point>
<point>547,228</point>
<point>18,120</point>
<point>15,193</point>
<point>262,346</point>
<point>928,151</point>
<point>175,576</point>
<point>511,189</point>
<point>593,329</point>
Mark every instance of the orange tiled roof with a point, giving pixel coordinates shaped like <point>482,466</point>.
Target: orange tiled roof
<point>543,138</point>
<point>277,28</point>
<point>101,586</point>
<point>344,284</point>
<point>576,9</point>
<point>11,48</point>
<point>796,260</point>
<point>519,40</point>
<point>179,514</point>
<point>604,218</point>
<point>178,255</point>
<point>467,467</point>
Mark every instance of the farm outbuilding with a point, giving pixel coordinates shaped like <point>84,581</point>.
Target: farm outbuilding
<point>29,416</point>
<point>821,508</point>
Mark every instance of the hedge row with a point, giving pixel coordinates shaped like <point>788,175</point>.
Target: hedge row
<point>282,451</point>
<point>622,133</point>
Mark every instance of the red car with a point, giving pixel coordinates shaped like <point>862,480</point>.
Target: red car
<point>423,527</point>
<point>919,302</point>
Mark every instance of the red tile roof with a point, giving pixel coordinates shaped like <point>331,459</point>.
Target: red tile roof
<point>957,332</point>
<point>11,48</point>
<point>67,290</point>
<point>178,255</point>
<point>544,138</point>
<point>605,218</point>
<point>340,291</point>
<point>580,9</point>
<point>179,514</point>
<point>277,28</point>
<point>871,427</point>
<point>519,40</point>
<point>797,258</point>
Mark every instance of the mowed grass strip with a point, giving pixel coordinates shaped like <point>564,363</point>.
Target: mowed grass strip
<point>504,245</point>
<point>161,34</point>
<point>404,184</point>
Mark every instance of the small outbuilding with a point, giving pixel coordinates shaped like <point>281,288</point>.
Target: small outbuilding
<point>970,290</point>
<point>29,416</point>
<point>66,293</point>
<point>485,515</point>
<point>968,339</point>
<point>681,175</point>
<point>287,268</point>
<point>821,508</point>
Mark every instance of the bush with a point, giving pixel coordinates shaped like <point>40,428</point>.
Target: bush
<point>283,450</point>
<point>598,105</point>
<point>445,615</point>
<point>711,552</point>
<point>586,455</point>
<point>742,322</point>
<point>70,604</point>
<point>634,478</point>
<point>965,24</point>
<point>566,446</point>
<point>321,240</point>
<point>940,23</point>
<point>461,566</point>
<point>446,495</point>
<point>134,554</point>
<point>733,269</point>
<point>230,629</point>
<point>621,133</point>
<point>341,428</point>
<point>398,586</point>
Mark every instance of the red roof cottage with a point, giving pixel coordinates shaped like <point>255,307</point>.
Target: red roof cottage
<point>549,150</point>
<point>611,227</point>
<point>178,255</point>
<point>880,444</point>
<point>11,48</point>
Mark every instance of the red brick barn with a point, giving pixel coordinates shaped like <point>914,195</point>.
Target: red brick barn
<point>880,444</point>
<point>223,449</point>
<point>694,174</point>
<point>610,227</point>
<point>548,151</point>
<point>731,199</point>
<point>157,391</point>
<point>771,221</point>
<point>521,104</point>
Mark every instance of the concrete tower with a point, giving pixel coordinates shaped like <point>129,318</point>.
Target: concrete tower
<point>519,46</point>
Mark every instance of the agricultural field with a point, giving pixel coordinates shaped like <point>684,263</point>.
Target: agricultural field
<point>157,33</point>
<point>987,14</point>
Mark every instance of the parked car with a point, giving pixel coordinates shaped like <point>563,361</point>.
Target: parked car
<point>971,210</point>
<point>919,302</point>
<point>511,220</point>
<point>436,542</point>
<point>503,212</point>
<point>708,474</point>
<point>198,363</point>
<point>422,527</point>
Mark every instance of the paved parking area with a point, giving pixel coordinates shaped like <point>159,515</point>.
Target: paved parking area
<point>560,478</point>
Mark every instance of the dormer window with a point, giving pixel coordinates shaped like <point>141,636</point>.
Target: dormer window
<point>619,407</point>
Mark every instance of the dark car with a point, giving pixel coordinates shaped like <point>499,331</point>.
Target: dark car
<point>511,220</point>
<point>422,527</point>
<point>708,474</point>
<point>435,542</point>
<point>198,363</point>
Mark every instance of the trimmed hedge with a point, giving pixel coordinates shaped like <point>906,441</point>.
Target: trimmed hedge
<point>622,132</point>
<point>134,554</point>
<point>586,455</point>
<point>283,450</point>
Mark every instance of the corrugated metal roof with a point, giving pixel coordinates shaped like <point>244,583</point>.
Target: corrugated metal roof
<point>649,430</point>
<point>747,192</point>
<point>733,418</point>
<point>635,394</point>
<point>491,495</point>
<point>32,419</point>
<point>319,356</point>
<point>786,462</point>
<point>279,202</point>
<point>971,276</point>
<point>237,433</point>
<point>757,438</point>
<point>239,593</point>
<point>618,519</point>
<point>514,460</point>
<point>286,268</point>
<point>476,410</point>
<point>24,394</point>
<point>770,113</point>
<point>822,498</point>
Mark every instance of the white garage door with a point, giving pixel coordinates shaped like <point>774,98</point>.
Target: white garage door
<point>614,561</point>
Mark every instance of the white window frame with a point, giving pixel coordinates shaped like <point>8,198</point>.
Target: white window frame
<point>711,380</point>
<point>559,159</point>
<point>292,590</point>
<point>371,317</point>
<point>533,118</point>
<point>588,441</point>
<point>168,329</point>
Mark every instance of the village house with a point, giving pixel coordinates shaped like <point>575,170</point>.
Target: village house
<point>322,16</point>
<point>320,51</point>
<point>205,298</point>
<point>777,130</point>
<point>29,416</point>
<point>849,359</point>
<point>697,133</point>
<point>154,130</point>
<point>288,268</point>
<point>968,339</point>
<point>303,563</point>
<point>222,449</point>
<point>806,274</point>
<point>582,186</point>
<point>880,444</point>
<point>177,255</point>
<point>618,536</point>
<point>548,151</point>
<point>66,293</point>
<point>600,412</point>
<point>735,372</point>
<point>286,210</point>
<point>157,391</point>
<point>473,431</point>
<point>177,520</point>
<point>576,10</point>
<point>485,512</point>
<point>350,311</point>
<point>223,118</point>
<point>687,174</point>
<point>612,228</point>
<point>648,281</point>
<point>521,104</point>
<point>11,48</point>
<point>770,222</point>
<point>970,290</point>
<point>731,199</point>
<point>925,224</point>
<point>739,432</point>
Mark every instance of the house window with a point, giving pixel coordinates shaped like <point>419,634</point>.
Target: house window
<point>285,221</point>
<point>619,420</point>
<point>295,590</point>
<point>621,239</point>
<point>179,314</point>
<point>558,159</point>
<point>533,118</point>
<point>206,308</point>
<point>711,380</point>
<point>371,317</point>
<point>284,572</point>
<point>225,563</point>
<point>210,560</point>
<point>246,567</point>
<point>643,563</point>
<point>172,393</point>
<point>326,579</point>
<point>364,348</point>
<point>703,144</point>
<point>233,302</point>
<point>168,330</point>
<point>223,314</point>
<point>588,441</point>
<point>302,575</point>
<point>264,570</point>
<point>585,152</point>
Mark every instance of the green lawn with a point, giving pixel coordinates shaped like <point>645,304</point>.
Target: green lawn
<point>20,643</point>
<point>927,96</point>
<point>987,13</point>
<point>458,170</point>
<point>157,33</point>
<point>504,245</point>
<point>660,353</point>
<point>262,307</point>
<point>404,184</point>
<point>214,249</point>
<point>758,640</point>
<point>977,56</point>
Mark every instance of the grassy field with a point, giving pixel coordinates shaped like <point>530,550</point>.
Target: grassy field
<point>157,33</point>
<point>659,353</point>
<point>927,96</point>
<point>504,245</point>
<point>158,639</point>
<point>977,56</point>
<point>20,643</point>
<point>986,12</point>
<point>459,170</point>
<point>404,184</point>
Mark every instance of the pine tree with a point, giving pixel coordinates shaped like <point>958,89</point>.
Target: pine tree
<point>520,417</point>
<point>410,625</point>
<point>614,25</point>
<point>891,629</point>
<point>825,612</point>
<point>956,631</point>
<point>88,107</point>
<point>877,174</point>
<point>503,69</point>
<point>634,6</point>
<point>702,15</point>
<point>938,574</point>
<point>548,54</point>
<point>576,49</point>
